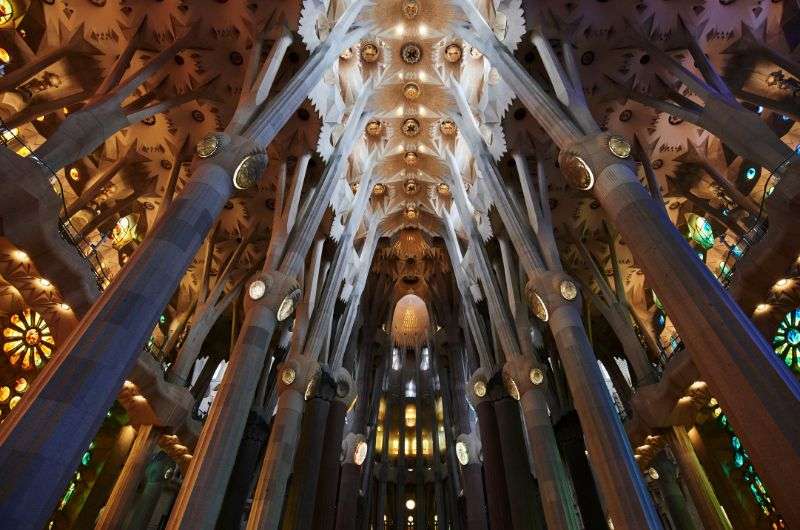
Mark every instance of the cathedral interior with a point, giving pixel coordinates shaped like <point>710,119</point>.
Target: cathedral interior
<point>400,264</point>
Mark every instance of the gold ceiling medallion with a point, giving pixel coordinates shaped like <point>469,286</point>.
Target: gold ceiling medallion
<point>410,8</point>
<point>619,146</point>
<point>378,190</point>
<point>475,53</point>
<point>536,375</point>
<point>370,52</point>
<point>577,172</point>
<point>411,186</point>
<point>411,91</point>
<point>448,128</point>
<point>452,53</point>
<point>411,158</point>
<point>374,128</point>
<point>479,388</point>
<point>411,212</point>
<point>411,53</point>
<point>443,189</point>
<point>410,127</point>
<point>346,55</point>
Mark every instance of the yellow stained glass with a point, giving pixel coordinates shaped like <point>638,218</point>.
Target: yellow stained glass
<point>28,340</point>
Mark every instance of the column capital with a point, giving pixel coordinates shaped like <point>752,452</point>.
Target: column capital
<point>478,386</point>
<point>346,388</point>
<point>583,161</point>
<point>354,448</point>
<point>468,448</point>
<point>240,157</point>
<point>521,375</point>
<point>274,291</point>
<point>299,373</point>
<point>549,291</point>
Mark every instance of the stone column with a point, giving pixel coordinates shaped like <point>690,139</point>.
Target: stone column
<point>122,496</point>
<point>474,500</point>
<point>243,473</point>
<point>296,374</point>
<point>521,488</point>
<point>571,445</point>
<point>157,473</point>
<point>495,475</point>
<point>298,513</point>
<point>749,380</point>
<point>694,476</point>
<point>347,504</point>
<point>609,450</point>
<point>203,488</point>
<point>325,510</point>
<point>554,482</point>
<point>51,427</point>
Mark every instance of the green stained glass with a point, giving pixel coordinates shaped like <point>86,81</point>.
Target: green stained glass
<point>86,458</point>
<point>700,231</point>
<point>738,460</point>
<point>786,341</point>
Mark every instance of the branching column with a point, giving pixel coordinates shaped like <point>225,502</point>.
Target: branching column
<point>738,364</point>
<point>609,449</point>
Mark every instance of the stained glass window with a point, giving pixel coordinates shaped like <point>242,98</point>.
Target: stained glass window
<point>700,231</point>
<point>787,340</point>
<point>28,342</point>
<point>6,11</point>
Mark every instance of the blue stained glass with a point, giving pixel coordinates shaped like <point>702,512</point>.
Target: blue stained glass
<point>750,173</point>
<point>738,460</point>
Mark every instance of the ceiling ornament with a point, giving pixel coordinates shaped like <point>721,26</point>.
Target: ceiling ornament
<point>374,128</point>
<point>410,322</point>
<point>443,189</point>
<point>411,158</point>
<point>346,55</point>
<point>411,212</point>
<point>411,91</point>
<point>370,52</point>
<point>410,127</point>
<point>411,53</point>
<point>410,8</point>
<point>411,186</point>
<point>448,128</point>
<point>452,53</point>
<point>379,190</point>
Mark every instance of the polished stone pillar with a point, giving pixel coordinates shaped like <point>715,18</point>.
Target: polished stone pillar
<point>555,489</point>
<point>325,509</point>
<point>694,476</point>
<point>298,513</point>
<point>122,496</point>
<point>572,446</point>
<point>521,489</point>
<point>347,504</point>
<point>41,443</point>
<point>215,453</point>
<point>250,451</point>
<point>296,374</point>
<point>494,471</point>
<point>474,500</point>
